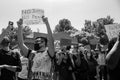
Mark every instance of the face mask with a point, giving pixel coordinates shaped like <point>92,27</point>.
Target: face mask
<point>36,47</point>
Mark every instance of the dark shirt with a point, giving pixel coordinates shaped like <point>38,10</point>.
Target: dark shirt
<point>9,58</point>
<point>63,69</point>
<point>115,73</point>
<point>81,71</point>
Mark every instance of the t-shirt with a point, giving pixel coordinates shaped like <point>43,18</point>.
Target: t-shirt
<point>9,58</point>
<point>64,72</point>
<point>115,73</point>
<point>41,64</point>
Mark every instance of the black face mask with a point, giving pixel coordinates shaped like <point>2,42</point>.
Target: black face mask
<point>36,47</point>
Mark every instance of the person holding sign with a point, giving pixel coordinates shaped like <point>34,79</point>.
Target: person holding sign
<point>41,57</point>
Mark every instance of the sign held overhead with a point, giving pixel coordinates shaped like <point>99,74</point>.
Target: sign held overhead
<point>32,16</point>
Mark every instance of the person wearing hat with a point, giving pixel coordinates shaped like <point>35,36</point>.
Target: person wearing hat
<point>40,67</point>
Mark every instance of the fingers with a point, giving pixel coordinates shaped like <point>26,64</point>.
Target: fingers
<point>45,19</point>
<point>20,22</point>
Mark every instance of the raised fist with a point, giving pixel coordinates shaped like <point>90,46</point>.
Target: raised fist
<point>45,19</point>
<point>20,22</point>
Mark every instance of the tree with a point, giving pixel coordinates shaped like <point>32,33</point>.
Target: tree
<point>88,26</point>
<point>106,21</point>
<point>98,28</point>
<point>101,32</point>
<point>63,25</point>
<point>13,34</point>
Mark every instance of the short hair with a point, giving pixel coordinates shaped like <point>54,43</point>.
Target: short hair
<point>44,38</point>
<point>5,41</point>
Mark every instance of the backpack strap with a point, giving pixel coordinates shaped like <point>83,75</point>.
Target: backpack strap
<point>52,65</point>
<point>50,55</point>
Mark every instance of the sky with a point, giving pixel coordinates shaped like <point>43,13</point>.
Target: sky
<point>77,11</point>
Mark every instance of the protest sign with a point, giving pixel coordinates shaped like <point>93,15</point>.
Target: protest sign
<point>65,42</point>
<point>112,30</point>
<point>31,35</point>
<point>32,16</point>
<point>58,36</point>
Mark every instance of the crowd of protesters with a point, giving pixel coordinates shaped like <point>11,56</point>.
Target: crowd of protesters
<point>47,62</point>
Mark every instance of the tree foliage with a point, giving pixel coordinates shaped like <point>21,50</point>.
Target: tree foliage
<point>97,28</point>
<point>63,26</point>
<point>13,34</point>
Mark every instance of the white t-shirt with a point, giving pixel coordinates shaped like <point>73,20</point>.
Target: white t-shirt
<point>23,74</point>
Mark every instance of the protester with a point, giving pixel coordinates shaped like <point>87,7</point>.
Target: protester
<point>113,58</point>
<point>41,56</point>
<point>9,59</point>
<point>64,65</point>
<point>81,64</point>
<point>92,63</point>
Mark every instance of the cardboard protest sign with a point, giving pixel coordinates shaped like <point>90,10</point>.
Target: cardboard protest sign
<point>32,16</point>
<point>30,35</point>
<point>58,36</point>
<point>65,42</point>
<point>112,30</point>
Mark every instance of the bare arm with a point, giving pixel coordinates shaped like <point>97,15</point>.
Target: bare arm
<point>50,37</point>
<point>21,44</point>
<point>11,68</point>
<point>113,56</point>
<point>17,65</point>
